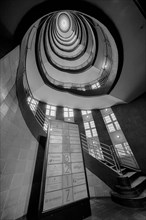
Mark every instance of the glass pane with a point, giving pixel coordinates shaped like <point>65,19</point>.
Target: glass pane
<point>66,109</point>
<point>111,127</point>
<point>33,107</point>
<point>33,101</point>
<point>52,113</point>
<point>93,86</point>
<point>88,133</point>
<point>94,132</point>
<point>92,124</point>
<point>71,114</point>
<point>83,112</point>
<point>107,119</point>
<point>47,106</point>
<point>113,116</point>
<point>65,114</point>
<point>47,112</point>
<point>86,125</point>
<point>53,108</point>
<point>117,125</point>
<point>28,99</point>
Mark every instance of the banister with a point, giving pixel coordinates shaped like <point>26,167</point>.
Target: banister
<point>107,151</point>
<point>95,140</point>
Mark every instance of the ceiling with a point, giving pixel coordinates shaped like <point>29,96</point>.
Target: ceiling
<point>131,26</point>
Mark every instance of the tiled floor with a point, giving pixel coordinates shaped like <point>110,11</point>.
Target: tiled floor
<point>105,209</point>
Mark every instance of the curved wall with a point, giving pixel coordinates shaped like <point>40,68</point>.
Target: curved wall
<point>127,19</point>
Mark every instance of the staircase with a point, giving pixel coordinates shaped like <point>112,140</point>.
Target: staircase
<point>128,186</point>
<point>131,189</point>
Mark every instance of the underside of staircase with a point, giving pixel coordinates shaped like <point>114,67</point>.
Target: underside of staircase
<point>131,189</point>
<point>128,186</point>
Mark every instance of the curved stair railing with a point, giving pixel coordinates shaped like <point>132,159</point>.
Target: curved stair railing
<point>102,152</point>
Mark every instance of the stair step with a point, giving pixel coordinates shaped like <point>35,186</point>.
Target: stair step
<point>129,174</point>
<point>124,170</point>
<point>141,196</point>
<point>134,202</point>
<point>138,181</point>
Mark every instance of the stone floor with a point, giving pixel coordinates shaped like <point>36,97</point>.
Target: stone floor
<point>106,209</point>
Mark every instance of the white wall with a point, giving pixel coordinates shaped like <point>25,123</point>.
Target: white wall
<point>18,147</point>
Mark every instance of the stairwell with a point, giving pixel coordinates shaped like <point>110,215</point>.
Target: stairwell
<point>131,189</point>
<point>128,186</point>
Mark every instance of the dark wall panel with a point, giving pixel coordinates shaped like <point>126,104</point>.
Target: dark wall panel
<point>59,113</point>
<point>79,120</point>
<point>101,128</point>
<point>132,119</point>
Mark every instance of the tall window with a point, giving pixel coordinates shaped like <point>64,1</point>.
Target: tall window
<point>68,114</point>
<point>49,115</point>
<point>118,139</point>
<point>50,110</point>
<point>85,112</point>
<point>33,104</point>
<point>95,85</point>
<point>90,129</point>
<point>111,122</point>
<point>94,147</point>
<point>89,124</point>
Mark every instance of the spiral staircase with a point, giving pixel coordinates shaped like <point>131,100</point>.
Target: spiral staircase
<point>71,53</point>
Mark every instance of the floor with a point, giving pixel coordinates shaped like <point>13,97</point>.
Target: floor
<point>106,209</point>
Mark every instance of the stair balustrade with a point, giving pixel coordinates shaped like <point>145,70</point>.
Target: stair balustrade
<point>102,152</point>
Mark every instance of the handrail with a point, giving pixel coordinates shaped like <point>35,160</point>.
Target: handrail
<point>110,159</point>
<point>109,155</point>
<point>84,136</point>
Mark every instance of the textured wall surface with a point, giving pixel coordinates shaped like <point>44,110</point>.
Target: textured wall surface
<point>18,146</point>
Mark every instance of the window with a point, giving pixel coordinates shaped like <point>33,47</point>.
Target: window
<point>120,150</point>
<point>113,116</point>
<point>107,119</point>
<point>117,125</point>
<point>50,114</point>
<point>94,147</point>
<point>127,148</point>
<point>94,132</point>
<point>85,112</point>
<point>32,104</point>
<point>111,127</point>
<point>45,127</point>
<point>50,110</point>
<point>88,133</point>
<point>86,125</point>
<point>89,125</point>
<point>95,85</point>
<point>68,112</point>
<point>92,124</point>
